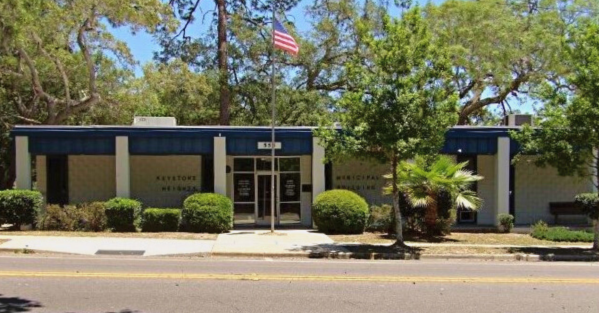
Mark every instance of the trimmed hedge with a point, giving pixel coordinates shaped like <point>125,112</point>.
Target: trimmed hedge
<point>83,217</point>
<point>506,222</point>
<point>55,217</point>
<point>589,204</point>
<point>340,212</point>
<point>94,216</point>
<point>542,231</point>
<point>207,212</point>
<point>161,220</point>
<point>123,215</point>
<point>19,207</point>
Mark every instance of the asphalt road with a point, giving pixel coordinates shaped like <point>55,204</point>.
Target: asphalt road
<point>32,283</point>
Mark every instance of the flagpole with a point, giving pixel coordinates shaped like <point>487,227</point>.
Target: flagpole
<point>272,123</point>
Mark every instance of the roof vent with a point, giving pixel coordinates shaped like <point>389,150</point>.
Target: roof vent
<point>518,120</point>
<point>154,121</point>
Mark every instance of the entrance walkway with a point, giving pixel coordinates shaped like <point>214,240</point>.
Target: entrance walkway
<point>262,242</point>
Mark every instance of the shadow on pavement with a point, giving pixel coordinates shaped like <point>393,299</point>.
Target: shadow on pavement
<point>16,304</point>
<point>559,254</point>
<point>121,311</point>
<point>360,251</point>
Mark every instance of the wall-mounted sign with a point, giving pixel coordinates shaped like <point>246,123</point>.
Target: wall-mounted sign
<point>290,187</point>
<point>263,145</point>
<point>364,178</point>
<point>243,187</point>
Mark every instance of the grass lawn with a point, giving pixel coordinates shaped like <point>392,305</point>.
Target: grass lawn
<point>188,236</point>
<point>455,238</point>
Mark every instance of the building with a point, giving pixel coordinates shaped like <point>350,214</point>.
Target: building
<point>162,165</point>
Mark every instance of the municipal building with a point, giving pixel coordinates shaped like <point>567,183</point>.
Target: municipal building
<point>160,164</point>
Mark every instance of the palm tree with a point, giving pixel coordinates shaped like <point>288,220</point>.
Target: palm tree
<point>422,185</point>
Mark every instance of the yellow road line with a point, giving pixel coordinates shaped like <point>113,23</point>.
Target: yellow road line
<point>321,278</point>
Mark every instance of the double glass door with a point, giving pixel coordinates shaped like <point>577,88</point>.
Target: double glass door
<point>252,191</point>
<point>264,191</point>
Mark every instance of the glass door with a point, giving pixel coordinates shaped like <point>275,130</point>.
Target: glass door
<point>263,181</point>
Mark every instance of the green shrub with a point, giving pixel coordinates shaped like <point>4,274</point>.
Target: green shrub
<point>444,223</point>
<point>161,220</point>
<point>542,231</point>
<point>381,219</point>
<point>19,207</point>
<point>506,222</point>
<point>123,215</point>
<point>207,212</point>
<point>414,216</point>
<point>84,217</point>
<point>340,212</point>
<point>65,218</point>
<point>94,216</point>
<point>589,204</point>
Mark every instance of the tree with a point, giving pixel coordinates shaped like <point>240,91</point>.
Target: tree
<point>54,52</point>
<point>422,183</point>
<point>197,49</point>
<point>400,104</point>
<point>58,59</point>
<point>173,89</point>
<point>568,136</point>
<point>503,51</point>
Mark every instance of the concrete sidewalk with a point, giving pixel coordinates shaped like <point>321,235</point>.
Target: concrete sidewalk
<point>250,243</point>
<point>281,243</point>
<point>109,246</point>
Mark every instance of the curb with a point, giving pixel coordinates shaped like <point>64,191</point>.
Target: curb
<point>363,256</point>
<point>409,256</point>
<point>33,251</point>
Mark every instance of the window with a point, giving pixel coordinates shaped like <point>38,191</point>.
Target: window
<point>290,190</point>
<point>243,165</point>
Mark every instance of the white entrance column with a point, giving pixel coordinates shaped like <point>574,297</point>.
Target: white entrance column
<point>23,163</point>
<point>318,177</point>
<point>220,165</point>
<point>502,178</point>
<point>123,169</point>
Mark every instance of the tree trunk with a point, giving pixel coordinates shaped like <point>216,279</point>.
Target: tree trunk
<point>222,62</point>
<point>399,241</point>
<point>430,218</point>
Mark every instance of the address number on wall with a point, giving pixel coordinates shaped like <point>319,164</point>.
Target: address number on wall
<point>268,145</point>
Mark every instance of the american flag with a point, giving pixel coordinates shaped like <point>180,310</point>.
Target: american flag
<point>283,40</point>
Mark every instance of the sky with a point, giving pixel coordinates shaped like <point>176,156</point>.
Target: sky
<point>143,45</point>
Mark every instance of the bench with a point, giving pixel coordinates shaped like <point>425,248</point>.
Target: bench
<point>564,208</point>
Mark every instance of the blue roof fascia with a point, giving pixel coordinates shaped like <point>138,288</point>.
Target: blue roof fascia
<point>78,131</point>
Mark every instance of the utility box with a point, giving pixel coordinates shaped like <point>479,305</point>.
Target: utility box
<point>154,121</point>
<point>518,120</point>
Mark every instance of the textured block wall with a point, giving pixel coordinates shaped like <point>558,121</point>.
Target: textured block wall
<point>535,187</point>
<point>364,178</point>
<point>40,183</point>
<point>306,197</point>
<point>165,181</point>
<point>486,189</point>
<point>91,178</point>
